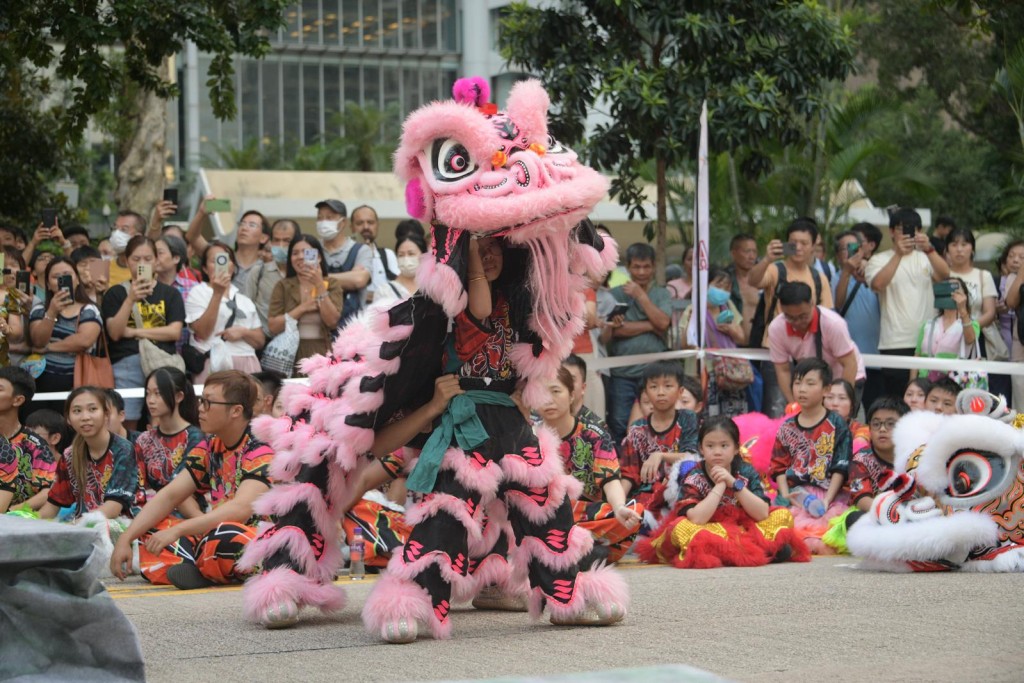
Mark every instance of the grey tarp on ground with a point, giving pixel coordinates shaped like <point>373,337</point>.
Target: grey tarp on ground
<point>57,622</point>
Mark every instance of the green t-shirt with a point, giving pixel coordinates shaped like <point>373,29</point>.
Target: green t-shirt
<point>648,342</point>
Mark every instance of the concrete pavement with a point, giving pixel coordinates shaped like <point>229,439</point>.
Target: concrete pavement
<point>822,621</point>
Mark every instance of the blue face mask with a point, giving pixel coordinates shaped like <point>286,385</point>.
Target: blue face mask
<point>280,254</point>
<point>718,297</point>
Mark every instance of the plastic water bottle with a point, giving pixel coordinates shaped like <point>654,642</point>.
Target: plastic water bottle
<point>814,506</point>
<point>356,569</point>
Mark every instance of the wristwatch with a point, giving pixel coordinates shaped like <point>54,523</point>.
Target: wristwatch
<point>739,485</point>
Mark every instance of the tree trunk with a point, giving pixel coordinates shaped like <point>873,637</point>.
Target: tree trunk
<point>140,174</point>
<point>662,221</point>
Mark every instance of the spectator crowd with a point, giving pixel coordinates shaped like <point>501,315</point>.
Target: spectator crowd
<point>158,307</point>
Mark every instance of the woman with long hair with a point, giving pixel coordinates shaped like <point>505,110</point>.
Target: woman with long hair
<point>65,324</point>
<point>98,471</point>
<point>307,296</point>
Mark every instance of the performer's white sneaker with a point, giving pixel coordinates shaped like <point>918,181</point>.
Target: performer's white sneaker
<point>601,614</point>
<point>400,631</point>
<point>281,615</point>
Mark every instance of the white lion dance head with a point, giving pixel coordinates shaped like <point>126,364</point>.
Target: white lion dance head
<point>957,500</point>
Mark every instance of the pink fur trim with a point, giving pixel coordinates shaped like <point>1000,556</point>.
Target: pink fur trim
<point>397,566</point>
<point>282,499</point>
<point>416,200</point>
<point>394,598</point>
<point>271,430</point>
<point>557,492</point>
<point>610,253</point>
<point>442,284</point>
<point>484,479</point>
<point>602,585</point>
<point>280,584</point>
<point>472,90</point>
<point>580,542</point>
<point>436,502</point>
<point>290,539</point>
<point>480,546</point>
<point>535,468</point>
<point>527,105</point>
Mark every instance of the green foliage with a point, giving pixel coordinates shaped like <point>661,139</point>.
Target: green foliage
<point>77,39</point>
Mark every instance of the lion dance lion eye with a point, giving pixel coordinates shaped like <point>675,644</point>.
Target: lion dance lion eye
<point>970,473</point>
<point>451,160</point>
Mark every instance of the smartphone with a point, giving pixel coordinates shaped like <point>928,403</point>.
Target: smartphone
<point>945,303</point>
<point>218,205</point>
<point>48,217</point>
<point>788,249</point>
<point>171,195</point>
<point>145,272</point>
<point>909,231</point>
<point>852,248</point>
<point>23,281</point>
<point>309,255</point>
<point>64,283</point>
<point>220,263</point>
<point>725,317</point>
<point>2,264</point>
<point>99,271</point>
<point>619,309</point>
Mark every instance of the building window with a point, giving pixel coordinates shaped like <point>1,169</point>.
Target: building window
<point>410,24</point>
<point>449,37</point>
<point>428,24</point>
<point>292,100</point>
<point>390,28</point>
<point>351,23</point>
<point>332,101</point>
<point>292,26</point>
<point>353,86</point>
<point>371,23</point>
<point>271,103</point>
<point>331,28</point>
<point>311,22</point>
<point>311,104</point>
<point>371,87</point>
<point>249,88</point>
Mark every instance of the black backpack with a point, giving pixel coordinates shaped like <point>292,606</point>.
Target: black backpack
<point>761,321</point>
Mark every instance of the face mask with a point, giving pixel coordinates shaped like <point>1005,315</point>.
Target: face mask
<point>119,240</point>
<point>327,230</point>
<point>408,265</point>
<point>280,254</point>
<point>717,297</point>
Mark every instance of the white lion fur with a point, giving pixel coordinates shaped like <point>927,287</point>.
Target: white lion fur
<point>941,538</point>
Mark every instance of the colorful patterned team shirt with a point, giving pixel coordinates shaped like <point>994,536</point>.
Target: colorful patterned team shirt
<point>482,349</point>
<point>588,416</point>
<point>160,456</point>
<point>698,484</point>
<point>115,476</point>
<point>811,455</point>
<point>219,470</point>
<point>589,456</point>
<point>866,471</point>
<point>642,440</point>
<point>26,465</point>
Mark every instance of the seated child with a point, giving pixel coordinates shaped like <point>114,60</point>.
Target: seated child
<point>811,457</point>
<point>588,455</point>
<point>51,427</point>
<point>872,464</point>
<point>27,465</point>
<point>723,516</point>
<point>115,423</point>
<point>653,444</point>
<point>941,397</point>
<point>842,400</point>
<point>917,393</point>
<point>691,397</point>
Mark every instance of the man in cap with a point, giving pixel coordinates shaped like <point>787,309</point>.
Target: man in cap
<point>347,260</point>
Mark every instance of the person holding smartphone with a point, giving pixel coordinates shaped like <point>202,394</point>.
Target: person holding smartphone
<point>159,308</point>
<point>63,325</point>
<point>307,295</point>
<point>218,313</point>
<point>902,277</point>
<point>48,231</point>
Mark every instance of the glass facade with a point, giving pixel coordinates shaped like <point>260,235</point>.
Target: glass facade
<point>387,55</point>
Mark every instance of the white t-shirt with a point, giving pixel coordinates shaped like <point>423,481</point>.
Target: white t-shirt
<point>907,302</point>
<point>199,299</point>
<point>379,283</point>
<point>979,285</point>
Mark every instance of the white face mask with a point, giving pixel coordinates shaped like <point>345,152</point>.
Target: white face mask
<point>408,265</point>
<point>119,240</point>
<point>327,230</point>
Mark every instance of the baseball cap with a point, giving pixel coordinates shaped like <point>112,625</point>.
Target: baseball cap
<point>335,205</point>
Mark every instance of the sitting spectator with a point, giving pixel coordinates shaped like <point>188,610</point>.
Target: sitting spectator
<point>233,467</point>
<point>903,278</point>
<point>14,305</point>
<point>265,275</point>
<point>691,397</point>
<point>811,456</point>
<point>917,393</point>
<point>841,399</point>
<point>577,367</point>
<point>115,417</point>
<point>218,313</point>
<point>725,330</point>
<point>588,454</point>
<point>655,443</point>
<point>307,296</point>
<point>873,462</point>
<point>157,306</point>
<point>161,450</point>
<point>941,397</point>
<point>252,234</point>
<point>803,330</point>
<point>408,252</point>
<point>62,326</point>
<point>51,428</point>
<point>269,388</point>
<point>640,330</point>
<point>27,465</point>
<point>171,268</point>
<point>950,334</point>
<point>98,471</point>
<point>127,225</point>
<point>93,273</point>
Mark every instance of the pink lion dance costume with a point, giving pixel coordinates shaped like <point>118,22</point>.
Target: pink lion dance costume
<point>498,511</point>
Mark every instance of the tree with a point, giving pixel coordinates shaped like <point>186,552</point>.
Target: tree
<point>80,43</point>
<point>648,64</point>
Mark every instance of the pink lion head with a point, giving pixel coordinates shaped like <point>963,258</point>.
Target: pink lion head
<point>469,166</point>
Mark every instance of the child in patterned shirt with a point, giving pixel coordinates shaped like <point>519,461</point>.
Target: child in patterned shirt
<point>872,465</point>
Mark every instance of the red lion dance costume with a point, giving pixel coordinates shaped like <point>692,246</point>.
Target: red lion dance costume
<point>499,512</point>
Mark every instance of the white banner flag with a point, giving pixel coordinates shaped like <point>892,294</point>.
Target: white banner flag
<point>696,333</point>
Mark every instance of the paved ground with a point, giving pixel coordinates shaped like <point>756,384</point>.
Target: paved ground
<point>823,621</point>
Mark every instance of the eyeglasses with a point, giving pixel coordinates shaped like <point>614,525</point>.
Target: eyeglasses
<point>250,224</point>
<point>205,403</point>
<point>887,425</point>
